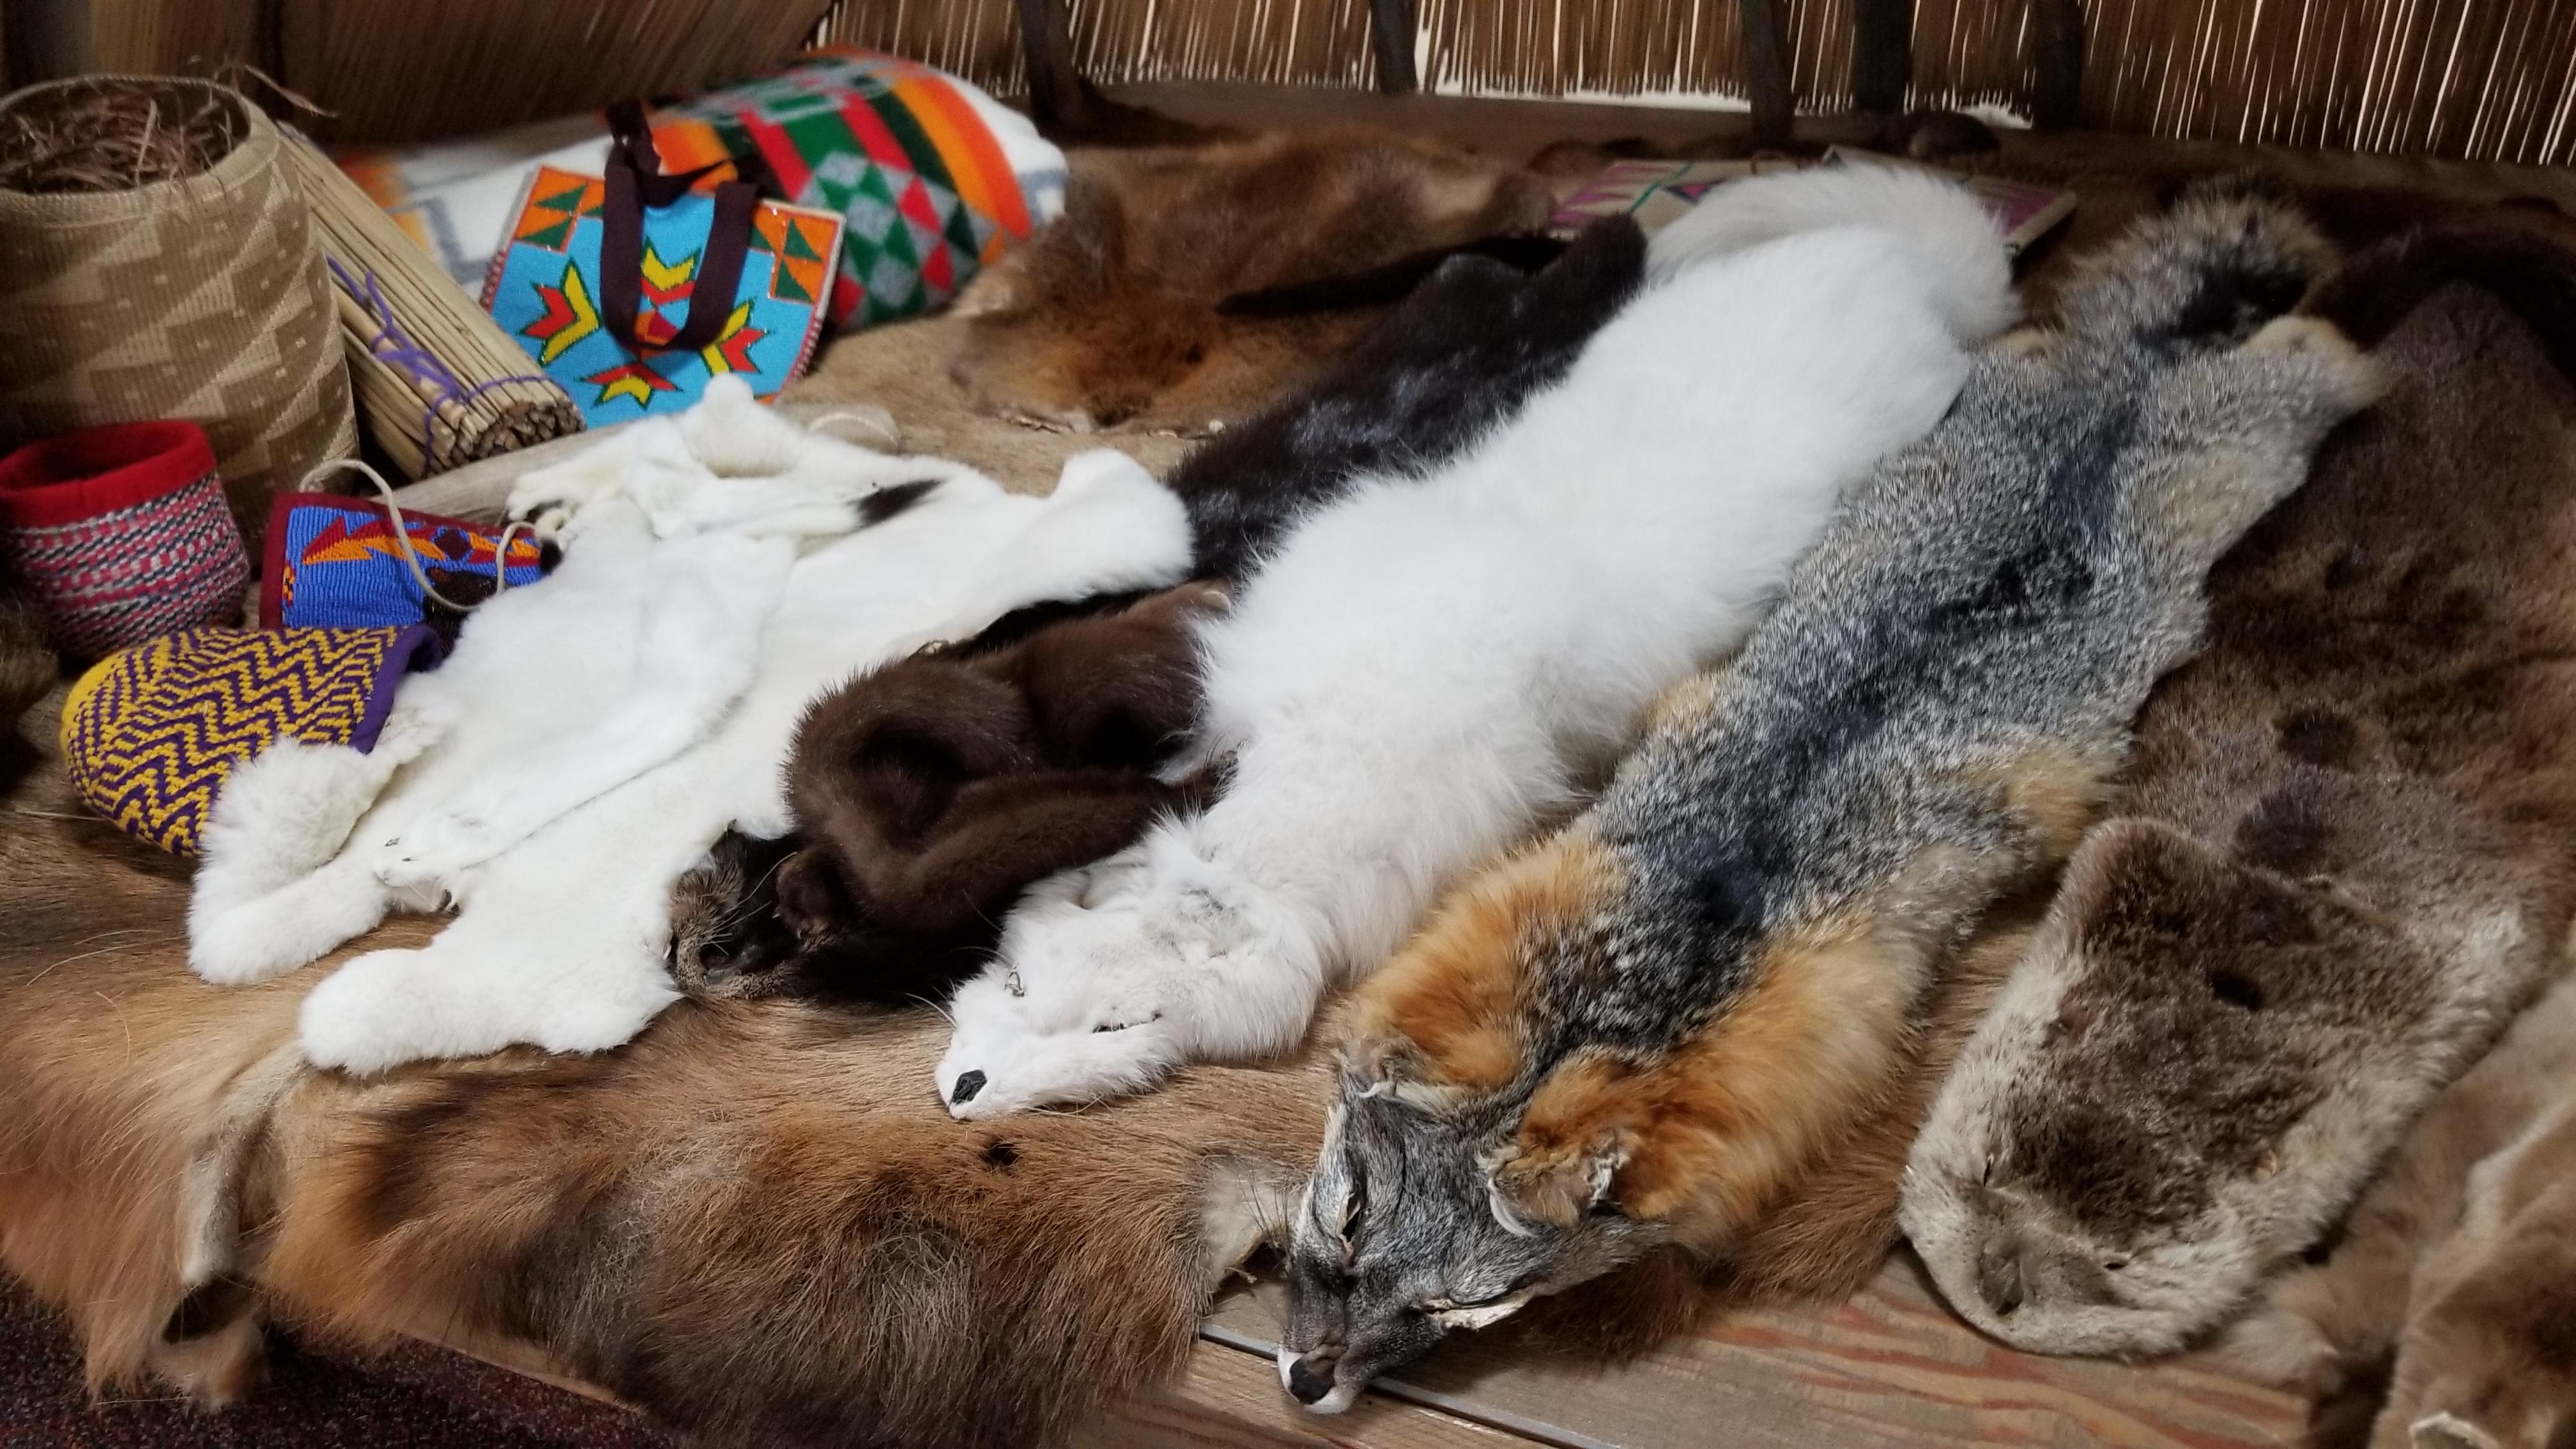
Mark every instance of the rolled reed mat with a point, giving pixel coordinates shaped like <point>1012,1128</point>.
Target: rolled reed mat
<point>141,279</point>
<point>439,383</point>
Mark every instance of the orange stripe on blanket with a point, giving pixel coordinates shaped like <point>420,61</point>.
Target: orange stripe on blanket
<point>686,143</point>
<point>975,164</point>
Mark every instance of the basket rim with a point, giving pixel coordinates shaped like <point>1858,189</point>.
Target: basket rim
<point>256,148</point>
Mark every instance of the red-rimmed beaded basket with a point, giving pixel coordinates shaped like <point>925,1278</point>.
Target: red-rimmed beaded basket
<point>120,534</point>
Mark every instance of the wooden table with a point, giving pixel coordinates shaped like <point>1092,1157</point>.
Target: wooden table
<point>1891,1369</point>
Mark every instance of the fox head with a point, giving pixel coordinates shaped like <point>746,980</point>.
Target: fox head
<point>1413,1225</point>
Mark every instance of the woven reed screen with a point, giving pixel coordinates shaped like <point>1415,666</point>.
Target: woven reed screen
<point>2491,79</point>
<point>2488,79</point>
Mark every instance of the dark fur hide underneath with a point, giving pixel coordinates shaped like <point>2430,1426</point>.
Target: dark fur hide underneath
<point>930,792</point>
<point>28,668</point>
<point>2341,857</point>
<point>1109,316</point>
<point>1457,359</point>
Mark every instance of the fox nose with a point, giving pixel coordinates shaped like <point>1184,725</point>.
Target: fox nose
<point>1310,1378</point>
<point>968,1084</point>
<point>1999,1275</point>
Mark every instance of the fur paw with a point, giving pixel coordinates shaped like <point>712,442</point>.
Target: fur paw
<point>1110,977</point>
<point>2336,369</point>
<point>463,998</point>
<point>435,849</point>
<point>1076,1010</point>
<point>219,1366</point>
<point>1020,1073</point>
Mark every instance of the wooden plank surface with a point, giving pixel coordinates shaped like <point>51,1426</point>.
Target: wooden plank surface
<point>1891,1369</point>
<point>1232,1398</point>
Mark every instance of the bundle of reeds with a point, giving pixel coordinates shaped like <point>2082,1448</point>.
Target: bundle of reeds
<point>438,382</point>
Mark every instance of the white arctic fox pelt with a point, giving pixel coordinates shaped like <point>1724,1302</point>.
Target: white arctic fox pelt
<point>593,734</point>
<point>1428,669</point>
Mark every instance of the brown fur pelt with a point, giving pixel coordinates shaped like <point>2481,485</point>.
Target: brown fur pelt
<point>752,1223</point>
<point>28,669</point>
<point>1109,317</point>
<point>930,792</point>
<point>2343,857</point>
<point>2444,1302</point>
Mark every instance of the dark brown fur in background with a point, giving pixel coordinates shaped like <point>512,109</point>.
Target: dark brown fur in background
<point>1109,317</point>
<point>2438,1315</point>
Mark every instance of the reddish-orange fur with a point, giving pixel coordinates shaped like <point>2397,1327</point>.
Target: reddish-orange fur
<point>1790,1189</point>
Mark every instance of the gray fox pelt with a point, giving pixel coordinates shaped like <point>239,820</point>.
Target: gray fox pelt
<point>1637,1032</point>
<point>2340,862</point>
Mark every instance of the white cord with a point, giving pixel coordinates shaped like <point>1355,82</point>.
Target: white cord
<point>402,533</point>
<point>882,426</point>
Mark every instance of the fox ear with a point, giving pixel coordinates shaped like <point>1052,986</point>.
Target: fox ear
<point>809,900</point>
<point>1388,1066</point>
<point>1556,1187</point>
<point>1004,289</point>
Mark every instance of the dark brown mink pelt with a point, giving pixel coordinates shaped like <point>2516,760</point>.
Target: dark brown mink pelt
<point>933,790</point>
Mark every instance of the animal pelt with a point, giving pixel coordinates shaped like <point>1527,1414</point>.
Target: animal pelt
<point>2338,865</point>
<point>1458,357</point>
<point>593,735</point>
<point>931,791</point>
<point>1637,1032</point>
<point>28,669</point>
<point>1108,317</point>
<point>1432,666</point>
<point>750,1222</point>
<point>1455,360</point>
<point>2436,1309</point>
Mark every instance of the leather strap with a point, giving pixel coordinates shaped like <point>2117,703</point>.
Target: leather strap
<point>635,182</point>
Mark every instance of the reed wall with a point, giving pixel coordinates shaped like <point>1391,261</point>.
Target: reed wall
<point>2487,79</point>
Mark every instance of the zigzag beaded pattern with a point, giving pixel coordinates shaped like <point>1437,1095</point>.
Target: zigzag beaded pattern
<point>167,563</point>
<point>149,744</point>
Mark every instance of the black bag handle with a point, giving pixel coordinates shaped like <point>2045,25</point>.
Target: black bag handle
<point>635,181</point>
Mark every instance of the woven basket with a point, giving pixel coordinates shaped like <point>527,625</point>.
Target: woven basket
<point>202,298</point>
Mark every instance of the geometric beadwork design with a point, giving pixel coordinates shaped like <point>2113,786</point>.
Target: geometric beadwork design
<point>334,562</point>
<point>925,195</point>
<point>149,734</point>
<point>545,288</point>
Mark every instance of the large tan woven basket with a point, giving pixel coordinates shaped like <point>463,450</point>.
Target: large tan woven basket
<point>201,298</point>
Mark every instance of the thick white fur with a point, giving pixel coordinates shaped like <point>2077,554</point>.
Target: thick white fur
<point>1429,668</point>
<point>584,745</point>
<point>1971,275</point>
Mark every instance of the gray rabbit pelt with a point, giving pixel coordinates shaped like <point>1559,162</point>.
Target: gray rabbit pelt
<point>2340,861</point>
<point>1637,1032</point>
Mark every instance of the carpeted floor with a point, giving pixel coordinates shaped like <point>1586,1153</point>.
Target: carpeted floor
<point>410,1399</point>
